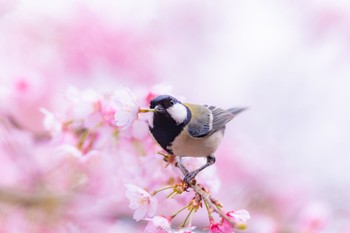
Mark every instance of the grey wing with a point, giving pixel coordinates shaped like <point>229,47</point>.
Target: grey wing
<point>200,126</point>
<point>212,119</point>
<point>220,118</point>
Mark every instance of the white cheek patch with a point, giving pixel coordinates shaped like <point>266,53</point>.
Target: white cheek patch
<point>178,112</point>
<point>150,120</point>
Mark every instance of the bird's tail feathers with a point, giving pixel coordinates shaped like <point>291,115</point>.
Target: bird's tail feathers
<point>236,111</point>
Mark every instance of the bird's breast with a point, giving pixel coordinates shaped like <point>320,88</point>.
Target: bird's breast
<point>165,130</point>
<point>185,145</point>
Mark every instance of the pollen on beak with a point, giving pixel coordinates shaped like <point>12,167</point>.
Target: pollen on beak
<point>143,110</point>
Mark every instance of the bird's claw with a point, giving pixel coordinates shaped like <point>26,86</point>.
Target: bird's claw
<point>189,179</point>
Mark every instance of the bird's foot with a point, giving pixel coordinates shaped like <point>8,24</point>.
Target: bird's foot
<point>190,178</point>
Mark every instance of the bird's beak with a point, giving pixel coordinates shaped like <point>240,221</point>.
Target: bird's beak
<point>143,110</point>
<point>159,109</point>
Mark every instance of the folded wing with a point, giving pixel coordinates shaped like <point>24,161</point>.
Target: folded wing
<point>212,119</point>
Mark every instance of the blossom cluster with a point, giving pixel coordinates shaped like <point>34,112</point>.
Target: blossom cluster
<point>75,176</point>
<point>96,153</point>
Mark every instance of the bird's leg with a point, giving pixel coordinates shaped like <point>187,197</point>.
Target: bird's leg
<point>191,175</point>
<point>180,165</point>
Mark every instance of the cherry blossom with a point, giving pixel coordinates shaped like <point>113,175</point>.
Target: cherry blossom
<point>219,228</point>
<point>144,204</point>
<point>158,224</point>
<point>83,102</point>
<point>239,217</point>
<point>91,148</point>
<point>126,108</point>
<point>51,122</point>
<point>64,163</point>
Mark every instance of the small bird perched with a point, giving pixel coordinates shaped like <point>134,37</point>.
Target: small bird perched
<point>189,130</point>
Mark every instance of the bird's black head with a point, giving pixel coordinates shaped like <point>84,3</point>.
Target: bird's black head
<point>171,108</point>
<point>163,102</point>
<point>170,117</point>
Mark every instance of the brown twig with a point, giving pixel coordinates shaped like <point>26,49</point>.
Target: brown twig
<point>198,189</point>
<point>207,198</point>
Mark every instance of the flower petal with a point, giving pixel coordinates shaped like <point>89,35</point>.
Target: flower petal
<point>240,216</point>
<point>140,213</point>
<point>152,207</point>
<point>126,108</point>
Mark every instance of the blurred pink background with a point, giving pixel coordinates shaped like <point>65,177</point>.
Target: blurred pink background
<point>285,160</point>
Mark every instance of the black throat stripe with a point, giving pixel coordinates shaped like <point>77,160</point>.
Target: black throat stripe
<point>165,129</point>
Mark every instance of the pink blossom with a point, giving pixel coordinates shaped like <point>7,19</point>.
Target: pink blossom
<point>83,103</point>
<point>239,217</point>
<point>144,204</point>
<point>220,228</point>
<point>51,122</point>
<point>73,184</point>
<point>126,108</point>
<point>158,224</point>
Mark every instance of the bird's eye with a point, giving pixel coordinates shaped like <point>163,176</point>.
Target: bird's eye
<point>171,102</point>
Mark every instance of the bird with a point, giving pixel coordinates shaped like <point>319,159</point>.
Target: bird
<point>188,130</point>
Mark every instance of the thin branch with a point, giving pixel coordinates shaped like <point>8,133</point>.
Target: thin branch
<point>207,198</point>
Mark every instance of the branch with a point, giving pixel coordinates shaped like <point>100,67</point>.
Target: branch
<point>197,188</point>
<point>208,199</point>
